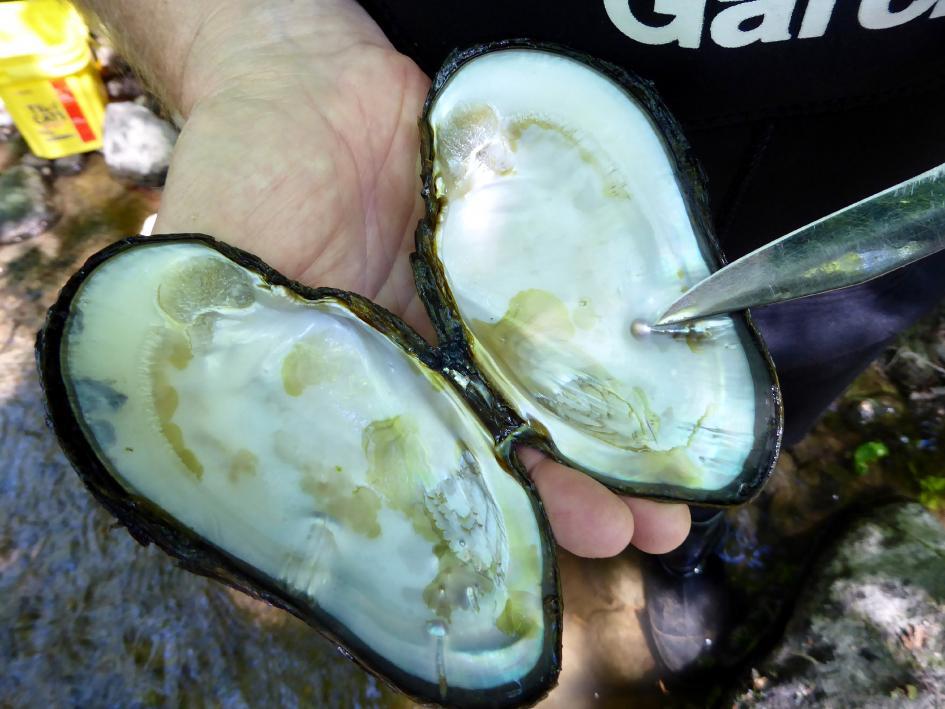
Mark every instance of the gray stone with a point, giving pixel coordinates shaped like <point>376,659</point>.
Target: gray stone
<point>60,167</point>
<point>869,630</point>
<point>124,88</point>
<point>42,165</point>
<point>137,144</point>
<point>69,165</point>
<point>25,210</point>
<point>914,367</point>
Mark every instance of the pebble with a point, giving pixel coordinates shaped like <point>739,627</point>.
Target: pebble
<point>138,144</point>
<point>25,209</point>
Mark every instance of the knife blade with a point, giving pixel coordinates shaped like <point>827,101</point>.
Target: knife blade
<point>868,239</point>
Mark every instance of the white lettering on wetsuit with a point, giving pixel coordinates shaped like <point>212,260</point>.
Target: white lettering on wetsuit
<point>689,17</point>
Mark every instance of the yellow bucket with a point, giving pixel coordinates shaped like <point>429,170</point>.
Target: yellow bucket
<point>48,80</point>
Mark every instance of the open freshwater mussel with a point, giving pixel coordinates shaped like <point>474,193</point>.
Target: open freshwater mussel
<point>307,447</point>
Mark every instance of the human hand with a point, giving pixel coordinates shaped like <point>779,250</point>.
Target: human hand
<point>300,144</point>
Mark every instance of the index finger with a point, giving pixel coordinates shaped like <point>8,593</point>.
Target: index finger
<point>589,520</point>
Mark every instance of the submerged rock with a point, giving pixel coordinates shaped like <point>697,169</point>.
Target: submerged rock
<point>25,210</point>
<point>137,144</point>
<point>869,630</point>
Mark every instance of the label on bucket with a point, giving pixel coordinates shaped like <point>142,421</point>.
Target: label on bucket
<point>68,101</point>
<point>53,115</point>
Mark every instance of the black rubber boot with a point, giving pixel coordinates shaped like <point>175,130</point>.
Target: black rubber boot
<point>687,607</point>
<point>708,525</point>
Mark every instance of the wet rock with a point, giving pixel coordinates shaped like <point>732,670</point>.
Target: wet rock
<point>939,346</point>
<point>928,409</point>
<point>883,409</point>
<point>138,144</point>
<point>25,210</point>
<point>11,152</point>
<point>124,88</point>
<point>914,368</point>
<point>69,165</point>
<point>869,629</point>
<point>64,166</point>
<point>120,80</point>
<point>41,165</point>
<point>812,449</point>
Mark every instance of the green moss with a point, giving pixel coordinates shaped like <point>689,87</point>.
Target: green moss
<point>868,453</point>
<point>932,492</point>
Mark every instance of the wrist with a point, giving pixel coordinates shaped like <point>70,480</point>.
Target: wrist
<point>189,52</point>
<point>252,48</point>
<point>155,38</point>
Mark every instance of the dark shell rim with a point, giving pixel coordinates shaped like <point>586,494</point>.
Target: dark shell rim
<point>148,523</point>
<point>454,338</point>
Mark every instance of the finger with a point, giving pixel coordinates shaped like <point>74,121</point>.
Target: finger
<point>586,518</point>
<point>658,527</point>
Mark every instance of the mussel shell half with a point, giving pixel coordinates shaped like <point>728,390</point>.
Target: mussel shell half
<point>521,141</point>
<point>489,676</point>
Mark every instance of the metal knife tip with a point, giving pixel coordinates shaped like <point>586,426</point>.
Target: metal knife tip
<point>673,316</point>
<point>641,329</point>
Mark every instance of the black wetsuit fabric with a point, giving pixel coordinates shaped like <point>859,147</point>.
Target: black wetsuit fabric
<point>795,108</point>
